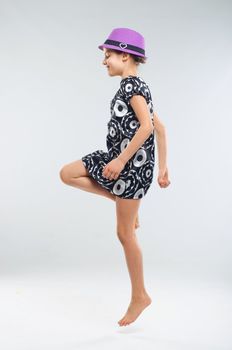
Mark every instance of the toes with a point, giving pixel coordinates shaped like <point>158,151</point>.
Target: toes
<point>125,322</point>
<point>121,322</point>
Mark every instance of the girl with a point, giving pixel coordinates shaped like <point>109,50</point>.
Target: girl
<point>125,172</point>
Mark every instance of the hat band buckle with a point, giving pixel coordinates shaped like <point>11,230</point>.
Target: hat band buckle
<point>123,45</point>
<point>128,46</point>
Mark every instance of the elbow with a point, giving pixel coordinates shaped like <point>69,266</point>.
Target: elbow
<point>149,128</point>
<point>160,130</point>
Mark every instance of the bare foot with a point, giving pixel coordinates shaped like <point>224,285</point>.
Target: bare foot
<point>134,310</point>
<point>137,222</point>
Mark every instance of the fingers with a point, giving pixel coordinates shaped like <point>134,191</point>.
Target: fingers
<point>110,176</point>
<point>164,182</point>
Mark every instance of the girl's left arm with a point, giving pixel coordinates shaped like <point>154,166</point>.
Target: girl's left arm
<point>140,107</point>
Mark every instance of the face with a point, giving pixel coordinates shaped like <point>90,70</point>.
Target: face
<point>113,62</point>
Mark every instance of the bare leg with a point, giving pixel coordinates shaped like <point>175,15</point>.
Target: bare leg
<point>75,174</point>
<point>88,184</point>
<point>127,210</point>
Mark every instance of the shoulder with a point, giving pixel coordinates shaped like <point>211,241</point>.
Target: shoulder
<point>134,85</point>
<point>133,80</point>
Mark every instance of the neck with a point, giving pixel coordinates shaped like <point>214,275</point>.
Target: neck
<point>126,74</point>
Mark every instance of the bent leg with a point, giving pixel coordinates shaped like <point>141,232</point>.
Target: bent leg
<point>75,174</point>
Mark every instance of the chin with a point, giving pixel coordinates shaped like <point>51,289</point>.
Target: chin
<point>111,74</point>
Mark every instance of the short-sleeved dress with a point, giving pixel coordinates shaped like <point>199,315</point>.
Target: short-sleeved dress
<point>136,177</point>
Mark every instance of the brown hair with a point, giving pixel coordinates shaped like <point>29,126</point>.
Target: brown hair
<point>137,59</point>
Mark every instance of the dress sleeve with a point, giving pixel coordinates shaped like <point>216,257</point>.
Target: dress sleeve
<point>133,86</point>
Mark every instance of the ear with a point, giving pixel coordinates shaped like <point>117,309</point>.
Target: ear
<point>125,55</point>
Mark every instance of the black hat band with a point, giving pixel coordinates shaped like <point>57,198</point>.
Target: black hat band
<point>124,46</point>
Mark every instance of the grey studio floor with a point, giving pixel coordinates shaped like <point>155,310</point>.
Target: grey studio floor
<point>66,309</point>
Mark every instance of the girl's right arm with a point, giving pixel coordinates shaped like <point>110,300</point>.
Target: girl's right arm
<point>162,151</point>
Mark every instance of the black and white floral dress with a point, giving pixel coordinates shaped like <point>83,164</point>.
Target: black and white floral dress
<point>136,177</point>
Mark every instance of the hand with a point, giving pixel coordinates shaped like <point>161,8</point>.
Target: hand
<point>112,169</point>
<point>163,178</point>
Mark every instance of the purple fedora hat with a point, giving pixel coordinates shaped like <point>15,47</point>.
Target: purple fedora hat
<point>126,40</point>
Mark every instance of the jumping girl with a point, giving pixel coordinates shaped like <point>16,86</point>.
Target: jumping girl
<point>125,172</point>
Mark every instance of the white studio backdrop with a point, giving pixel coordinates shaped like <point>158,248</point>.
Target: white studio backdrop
<point>55,103</point>
<point>61,263</point>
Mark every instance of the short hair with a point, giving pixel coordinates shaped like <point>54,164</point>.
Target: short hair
<point>137,59</point>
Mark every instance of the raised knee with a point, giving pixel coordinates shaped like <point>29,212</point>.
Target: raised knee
<point>64,175</point>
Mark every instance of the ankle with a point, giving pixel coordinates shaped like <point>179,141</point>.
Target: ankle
<point>139,296</point>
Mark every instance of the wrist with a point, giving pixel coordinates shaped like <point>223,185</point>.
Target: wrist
<point>122,159</point>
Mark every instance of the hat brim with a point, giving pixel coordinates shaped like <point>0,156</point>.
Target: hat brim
<point>107,46</point>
